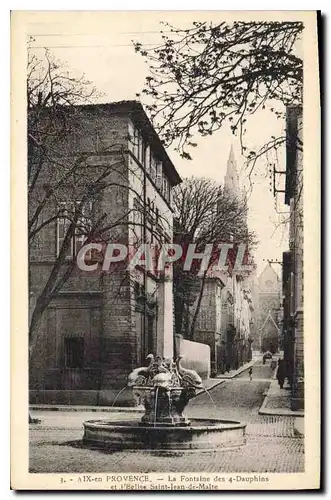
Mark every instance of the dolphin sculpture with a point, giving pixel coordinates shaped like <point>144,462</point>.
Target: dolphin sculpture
<point>164,375</point>
<point>190,377</point>
<point>140,372</point>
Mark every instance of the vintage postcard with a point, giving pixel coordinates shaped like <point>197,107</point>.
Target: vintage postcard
<point>165,250</point>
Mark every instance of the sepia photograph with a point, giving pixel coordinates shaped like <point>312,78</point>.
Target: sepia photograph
<point>166,183</point>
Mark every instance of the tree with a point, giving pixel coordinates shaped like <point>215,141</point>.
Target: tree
<point>210,75</point>
<point>205,213</point>
<point>63,189</point>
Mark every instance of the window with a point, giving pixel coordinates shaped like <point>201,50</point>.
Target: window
<point>153,222</point>
<point>135,142</point>
<point>131,137</point>
<point>98,141</point>
<point>63,224</point>
<point>67,214</point>
<point>150,220</point>
<point>147,159</point>
<point>74,352</point>
<point>153,168</point>
<point>139,290</point>
<point>141,149</point>
<point>164,185</point>
<point>202,319</point>
<point>159,175</point>
<point>167,190</point>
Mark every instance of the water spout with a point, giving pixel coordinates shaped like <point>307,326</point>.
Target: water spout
<point>155,407</point>
<point>211,399</point>
<point>117,395</point>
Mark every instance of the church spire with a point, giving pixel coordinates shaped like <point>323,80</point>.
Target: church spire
<point>231,180</point>
<point>231,155</point>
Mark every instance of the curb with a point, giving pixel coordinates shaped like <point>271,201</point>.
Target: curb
<point>278,411</point>
<point>202,391</point>
<point>78,408</point>
<point>239,371</point>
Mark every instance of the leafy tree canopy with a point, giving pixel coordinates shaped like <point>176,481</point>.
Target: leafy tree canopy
<point>209,75</point>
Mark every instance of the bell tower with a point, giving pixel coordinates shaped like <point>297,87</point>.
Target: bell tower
<point>231,180</point>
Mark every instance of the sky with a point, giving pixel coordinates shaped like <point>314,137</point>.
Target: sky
<point>103,51</point>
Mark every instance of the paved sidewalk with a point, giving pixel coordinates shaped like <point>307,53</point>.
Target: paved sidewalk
<point>277,402</point>
<point>234,373</point>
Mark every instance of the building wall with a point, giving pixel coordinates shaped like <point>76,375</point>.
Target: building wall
<point>296,245</point>
<point>208,326</point>
<point>293,259</point>
<point>70,315</point>
<point>224,322</point>
<point>101,308</point>
<point>73,313</point>
<point>196,356</point>
<point>145,188</point>
<point>269,302</point>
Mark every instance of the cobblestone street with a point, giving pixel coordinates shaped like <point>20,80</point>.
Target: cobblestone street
<point>273,442</point>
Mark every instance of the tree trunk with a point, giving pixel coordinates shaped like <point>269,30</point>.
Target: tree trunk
<point>197,309</point>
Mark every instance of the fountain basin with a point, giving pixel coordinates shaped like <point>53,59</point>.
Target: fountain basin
<point>201,435</point>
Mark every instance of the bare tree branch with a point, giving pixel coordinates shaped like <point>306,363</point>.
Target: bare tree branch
<point>210,75</point>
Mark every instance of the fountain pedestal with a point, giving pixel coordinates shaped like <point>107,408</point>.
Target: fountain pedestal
<point>164,388</point>
<point>163,406</point>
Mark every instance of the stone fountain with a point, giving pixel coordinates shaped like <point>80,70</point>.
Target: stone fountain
<point>165,388</point>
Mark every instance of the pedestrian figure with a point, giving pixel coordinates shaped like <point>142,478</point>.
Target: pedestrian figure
<point>250,373</point>
<point>281,373</point>
<point>266,355</point>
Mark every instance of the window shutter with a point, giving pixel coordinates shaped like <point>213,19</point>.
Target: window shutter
<point>159,176</point>
<point>153,167</point>
<point>147,159</point>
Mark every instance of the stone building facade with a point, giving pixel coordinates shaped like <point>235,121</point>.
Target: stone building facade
<point>293,260</point>
<point>269,290</point>
<point>101,325</point>
<point>226,317</point>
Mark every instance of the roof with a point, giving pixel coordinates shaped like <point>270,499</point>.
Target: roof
<point>268,272</point>
<point>271,319</point>
<point>136,112</point>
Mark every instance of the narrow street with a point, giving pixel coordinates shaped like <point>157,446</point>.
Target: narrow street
<point>240,399</point>
<point>235,399</point>
<point>273,443</point>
